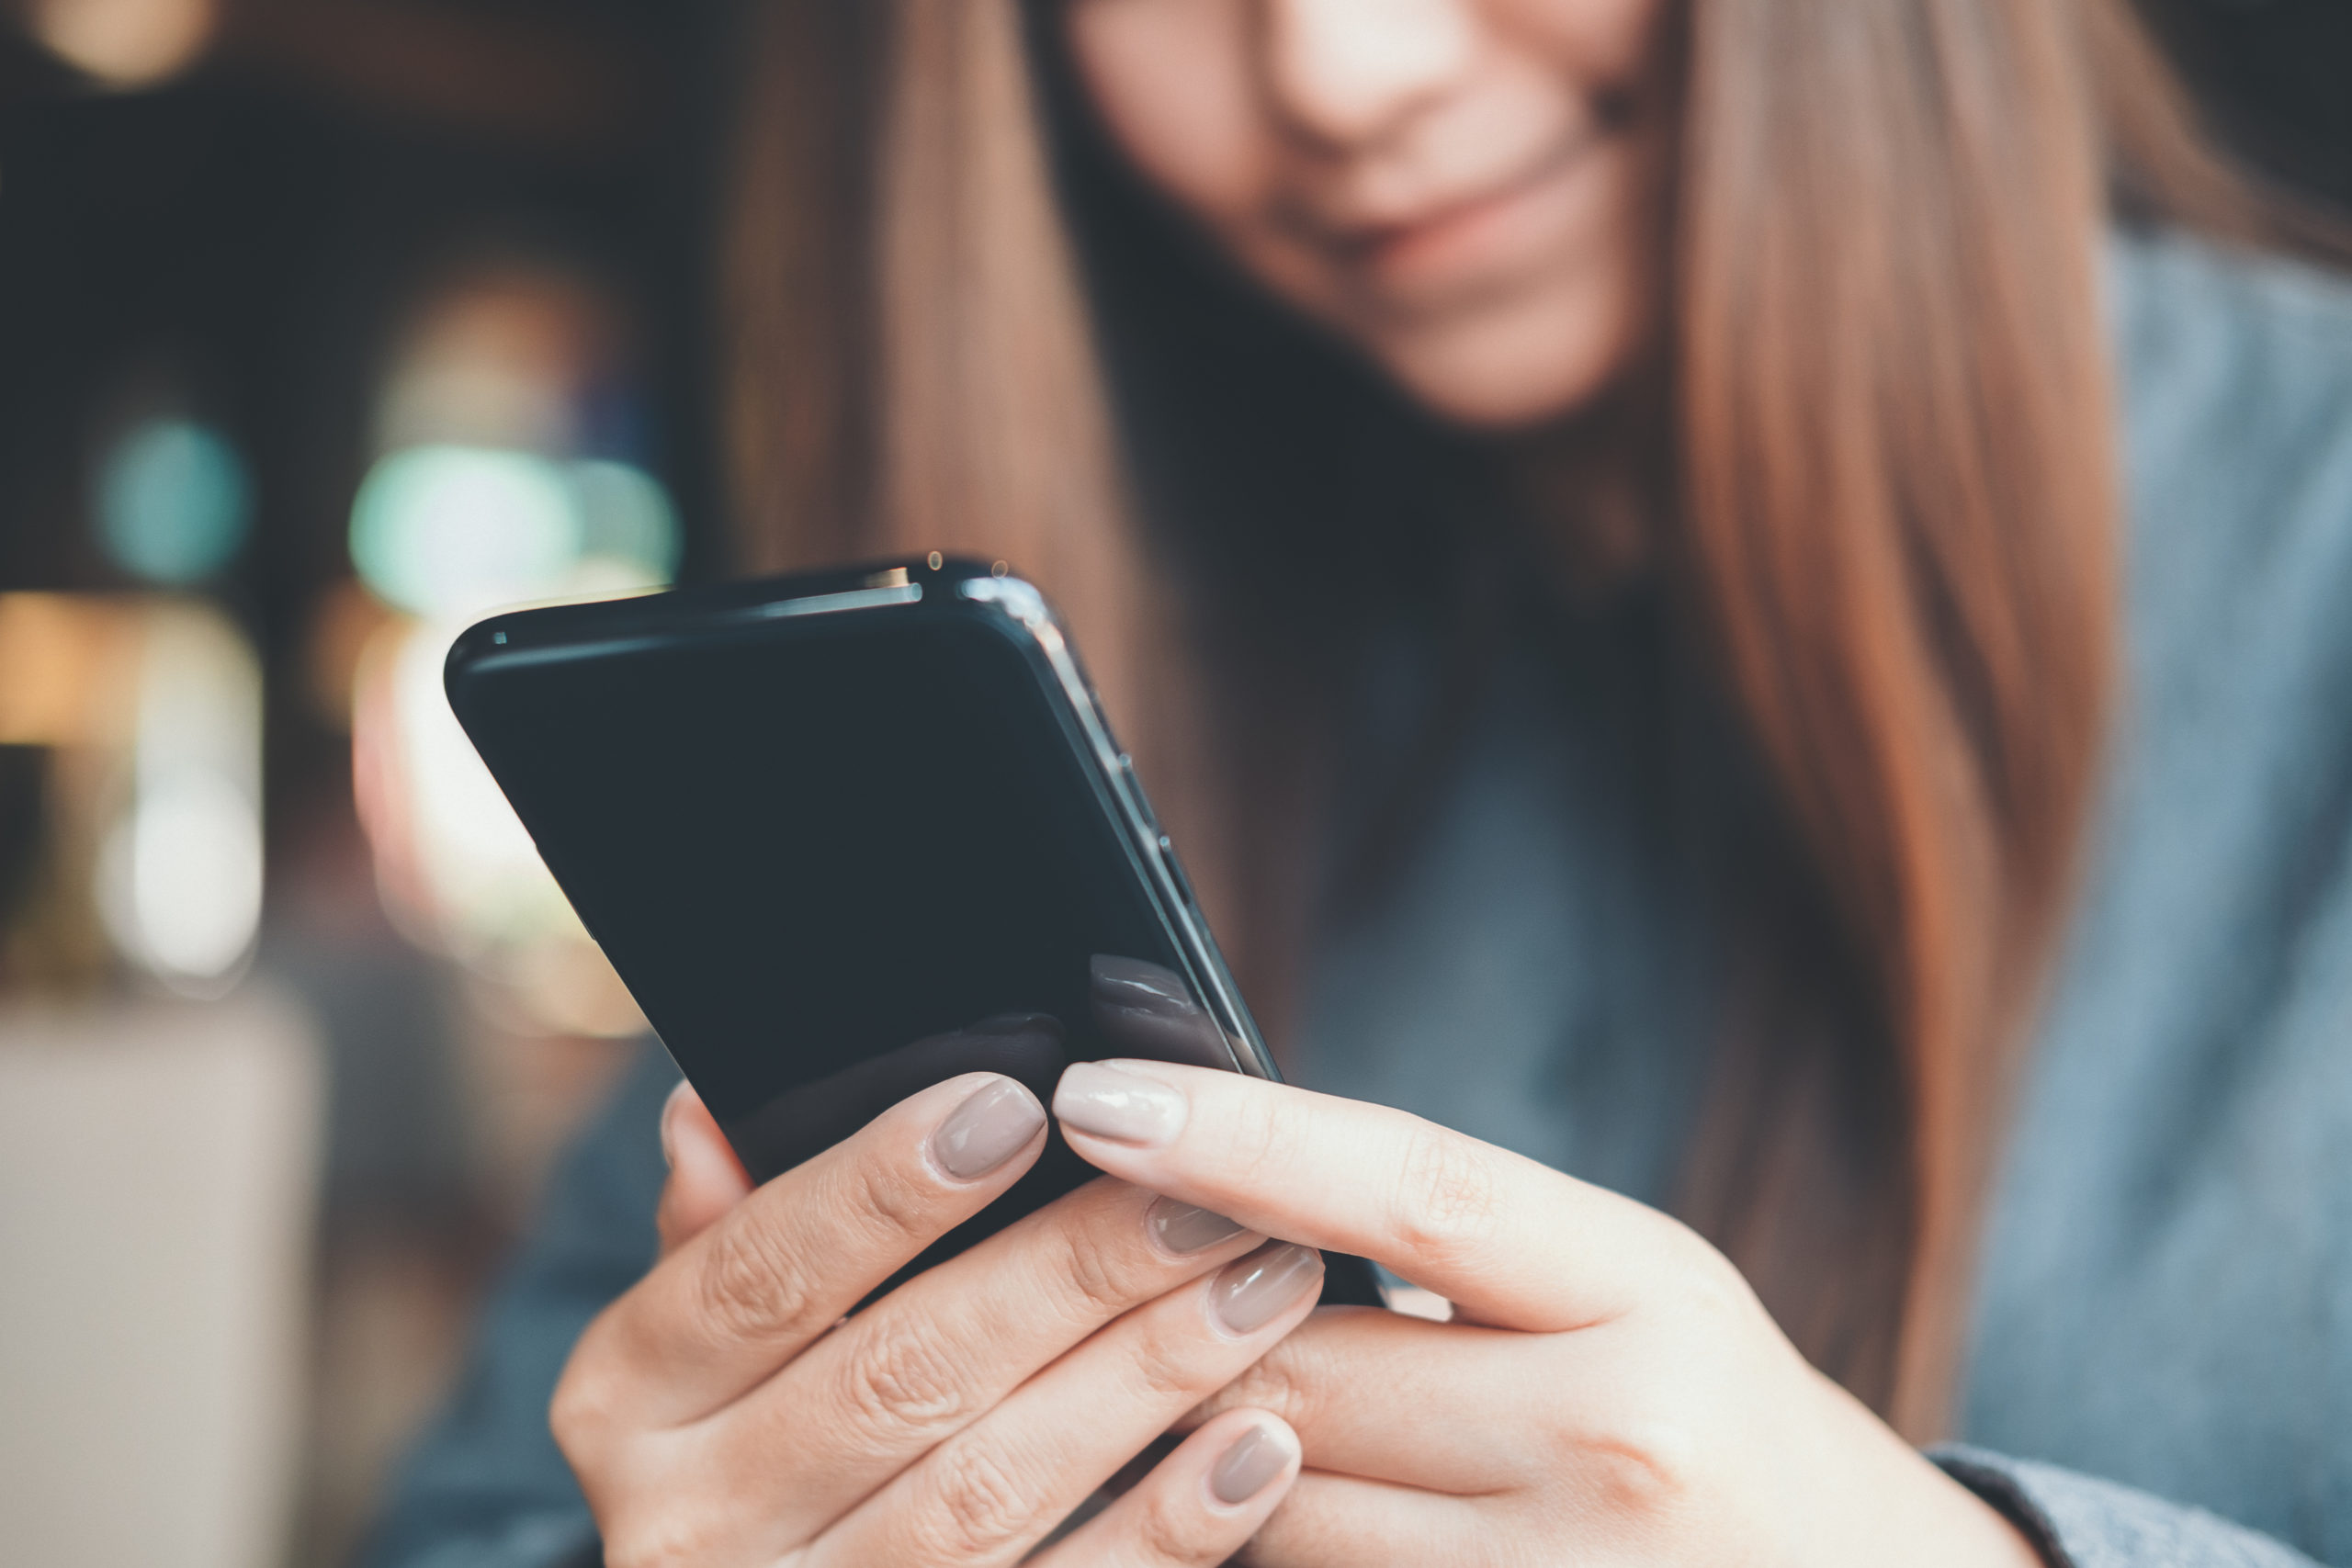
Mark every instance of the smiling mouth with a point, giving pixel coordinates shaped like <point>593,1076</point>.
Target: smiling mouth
<point>1392,243</point>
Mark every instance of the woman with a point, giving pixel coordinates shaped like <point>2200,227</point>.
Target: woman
<point>1610,513</point>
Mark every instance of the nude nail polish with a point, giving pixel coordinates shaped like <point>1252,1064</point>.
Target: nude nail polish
<point>993,1125</point>
<point>1259,1288</point>
<point>1180,1228</point>
<point>1250,1466</point>
<point>1124,1107</point>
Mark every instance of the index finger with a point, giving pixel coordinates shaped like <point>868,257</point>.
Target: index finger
<point>718,1315</point>
<point>1513,1243</point>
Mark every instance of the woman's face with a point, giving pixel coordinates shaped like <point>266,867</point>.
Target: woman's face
<point>1469,191</point>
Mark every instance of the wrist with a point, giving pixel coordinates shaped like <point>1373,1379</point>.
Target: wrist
<point>1918,1512</point>
<point>1995,1481</point>
<point>1985,1534</point>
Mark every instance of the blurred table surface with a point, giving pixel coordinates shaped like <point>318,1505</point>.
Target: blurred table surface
<point>158,1177</point>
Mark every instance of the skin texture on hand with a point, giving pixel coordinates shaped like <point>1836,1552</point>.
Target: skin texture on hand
<point>725,1412</point>
<point>1610,1391</point>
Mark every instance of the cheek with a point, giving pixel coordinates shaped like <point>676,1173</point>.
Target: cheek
<point>1599,40</point>
<point>1171,80</point>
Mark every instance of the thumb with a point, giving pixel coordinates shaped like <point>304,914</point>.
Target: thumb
<point>705,1178</point>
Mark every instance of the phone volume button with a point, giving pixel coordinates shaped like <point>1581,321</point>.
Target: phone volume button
<point>1133,788</point>
<point>1176,871</point>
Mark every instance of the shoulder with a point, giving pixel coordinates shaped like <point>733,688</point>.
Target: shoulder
<point>2235,371</point>
<point>2196,323</point>
<point>2234,380</point>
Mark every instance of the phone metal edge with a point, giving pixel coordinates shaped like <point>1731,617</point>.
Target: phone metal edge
<point>1027,607</point>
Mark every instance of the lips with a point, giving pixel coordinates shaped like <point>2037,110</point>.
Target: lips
<point>1473,241</point>
<point>1370,237</point>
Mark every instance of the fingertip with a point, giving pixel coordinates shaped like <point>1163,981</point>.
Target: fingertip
<point>705,1178</point>
<point>1110,1100</point>
<point>1201,1505</point>
<point>680,1096</point>
<point>1258,1456</point>
<point>990,1127</point>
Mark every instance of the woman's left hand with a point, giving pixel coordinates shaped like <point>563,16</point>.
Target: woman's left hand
<point>1609,1392</point>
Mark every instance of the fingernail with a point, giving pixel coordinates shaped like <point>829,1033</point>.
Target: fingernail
<point>988,1129</point>
<point>1181,1228</point>
<point>1126,1107</point>
<point>1250,1466</point>
<point>1261,1287</point>
<point>670,1110</point>
<point>1147,1010</point>
<point>1131,984</point>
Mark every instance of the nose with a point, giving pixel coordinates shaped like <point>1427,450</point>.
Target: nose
<point>1348,72</point>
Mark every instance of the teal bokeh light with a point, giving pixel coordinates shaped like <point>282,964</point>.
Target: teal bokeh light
<point>627,518</point>
<point>453,531</point>
<point>173,502</point>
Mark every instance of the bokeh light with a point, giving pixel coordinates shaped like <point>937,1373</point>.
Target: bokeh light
<point>454,530</point>
<point>627,525</point>
<point>179,871</point>
<point>124,43</point>
<point>447,531</point>
<point>458,872</point>
<point>173,502</point>
<point>182,878</point>
<point>504,434</point>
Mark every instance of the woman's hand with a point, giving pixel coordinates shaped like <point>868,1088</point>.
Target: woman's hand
<point>723,1412</point>
<point>1611,1392</point>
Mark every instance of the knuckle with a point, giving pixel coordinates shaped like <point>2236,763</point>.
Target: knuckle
<point>1717,1291</point>
<point>892,1200</point>
<point>586,1409</point>
<point>750,1287</point>
<point>1167,1531</point>
<point>1445,1202</point>
<point>1098,1286</point>
<point>1162,1365</point>
<point>981,1508</point>
<point>1652,1468</point>
<point>904,1375</point>
<point>1710,1292</point>
<point>580,1412</point>
<point>1273,1384</point>
<point>1259,1134</point>
<point>665,1538</point>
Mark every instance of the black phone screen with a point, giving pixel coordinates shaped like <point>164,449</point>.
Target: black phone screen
<point>837,859</point>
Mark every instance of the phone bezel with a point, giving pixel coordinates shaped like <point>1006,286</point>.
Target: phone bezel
<point>1015,608</point>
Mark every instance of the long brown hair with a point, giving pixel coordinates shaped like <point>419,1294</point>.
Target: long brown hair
<point>1889,524</point>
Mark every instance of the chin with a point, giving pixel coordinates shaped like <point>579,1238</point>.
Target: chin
<point>1522,363</point>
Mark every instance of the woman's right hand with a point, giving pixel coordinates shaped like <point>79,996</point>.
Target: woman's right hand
<point>724,1412</point>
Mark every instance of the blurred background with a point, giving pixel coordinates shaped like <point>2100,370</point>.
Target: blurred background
<point>326,325</point>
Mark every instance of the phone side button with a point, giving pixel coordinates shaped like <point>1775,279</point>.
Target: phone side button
<point>1176,871</point>
<point>1135,797</point>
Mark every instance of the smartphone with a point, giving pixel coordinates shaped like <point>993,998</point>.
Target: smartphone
<point>848,834</point>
